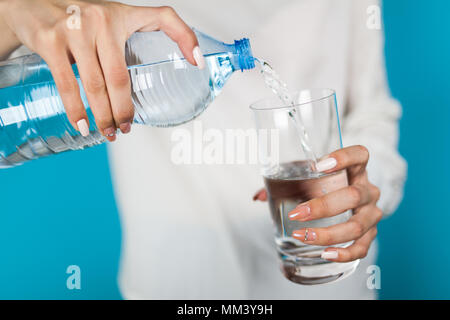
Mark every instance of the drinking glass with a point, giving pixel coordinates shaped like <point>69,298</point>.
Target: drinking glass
<point>290,140</point>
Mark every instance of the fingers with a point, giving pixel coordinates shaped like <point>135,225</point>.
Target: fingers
<point>167,20</point>
<point>69,90</point>
<point>353,158</point>
<point>361,196</point>
<point>261,195</point>
<point>355,228</point>
<point>95,88</point>
<point>332,204</point>
<point>182,34</point>
<point>357,250</point>
<point>112,60</point>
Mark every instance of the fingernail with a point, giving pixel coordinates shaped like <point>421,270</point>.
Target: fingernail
<point>329,255</point>
<point>326,164</point>
<point>83,127</point>
<point>110,134</point>
<point>304,235</point>
<point>300,213</point>
<point>198,57</point>
<point>125,127</point>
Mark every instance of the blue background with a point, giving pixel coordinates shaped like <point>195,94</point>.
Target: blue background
<point>414,256</point>
<point>60,210</point>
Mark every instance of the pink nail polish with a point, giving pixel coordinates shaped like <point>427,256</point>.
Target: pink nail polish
<point>326,164</point>
<point>83,127</point>
<point>330,255</point>
<point>198,57</point>
<point>110,132</point>
<point>300,213</point>
<point>304,235</point>
<point>125,127</point>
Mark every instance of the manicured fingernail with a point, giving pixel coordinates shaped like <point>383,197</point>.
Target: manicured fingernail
<point>330,255</point>
<point>304,235</point>
<point>83,127</point>
<point>110,134</point>
<point>125,127</point>
<point>300,213</point>
<point>326,164</point>
<point>198,57</point>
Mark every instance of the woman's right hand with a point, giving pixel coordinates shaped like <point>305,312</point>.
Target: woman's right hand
<point>92,34</point>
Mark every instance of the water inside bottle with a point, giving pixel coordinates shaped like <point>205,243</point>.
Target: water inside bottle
<point>33,121</point>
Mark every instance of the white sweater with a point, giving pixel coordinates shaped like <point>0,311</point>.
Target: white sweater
<point>193,231</point>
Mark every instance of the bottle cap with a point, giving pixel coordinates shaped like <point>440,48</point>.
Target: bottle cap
<point>244,52</point>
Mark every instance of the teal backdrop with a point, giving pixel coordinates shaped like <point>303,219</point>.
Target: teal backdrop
<point>60,211</point>
<point>415,255</point>
<point>56,212</point>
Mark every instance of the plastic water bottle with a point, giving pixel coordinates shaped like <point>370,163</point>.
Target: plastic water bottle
<point>166,90</point>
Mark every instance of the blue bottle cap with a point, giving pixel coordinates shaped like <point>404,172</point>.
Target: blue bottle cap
<point>245,55</point>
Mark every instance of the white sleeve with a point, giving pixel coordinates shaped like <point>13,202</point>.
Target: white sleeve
<point>372,115</point>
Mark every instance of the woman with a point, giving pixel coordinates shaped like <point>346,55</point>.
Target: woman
<point>190,230</point>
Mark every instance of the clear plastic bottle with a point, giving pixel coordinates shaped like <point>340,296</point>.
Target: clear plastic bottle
<point>166,91</point>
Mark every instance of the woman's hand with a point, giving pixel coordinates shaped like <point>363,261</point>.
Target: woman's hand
<point>96,43</point>
<point>360,195</point>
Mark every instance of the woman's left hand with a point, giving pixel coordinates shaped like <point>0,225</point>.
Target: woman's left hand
<point>360,195</point>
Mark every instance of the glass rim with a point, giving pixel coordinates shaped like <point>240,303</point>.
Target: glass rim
<point>281,105</point>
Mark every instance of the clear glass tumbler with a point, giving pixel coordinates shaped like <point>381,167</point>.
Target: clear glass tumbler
<point>307,130</point>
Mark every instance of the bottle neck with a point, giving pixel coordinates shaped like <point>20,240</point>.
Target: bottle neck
<point>244,55</point>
